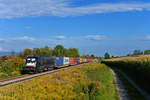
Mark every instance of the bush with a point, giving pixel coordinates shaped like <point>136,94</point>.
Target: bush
<point>12,66</point>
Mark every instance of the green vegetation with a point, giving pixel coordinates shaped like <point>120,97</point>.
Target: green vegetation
<point>139,71</point>
<point>58,51</point>
<point>131,91</point>
<point>88,82</point>
<point>137,52</point>
<point>106,56</point>
<point>103,75</point>
<point>146,51</point>
<point>11,67</point>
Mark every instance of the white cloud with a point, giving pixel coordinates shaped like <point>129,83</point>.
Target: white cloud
<point>22,8</point>
<point>26,38</point>
<point>60,37</point>
<point>95,37</point>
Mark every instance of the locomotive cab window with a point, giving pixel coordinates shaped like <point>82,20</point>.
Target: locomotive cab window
<point>31,60</point>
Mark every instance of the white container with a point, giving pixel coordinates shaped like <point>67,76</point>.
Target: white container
<point>66,60</point>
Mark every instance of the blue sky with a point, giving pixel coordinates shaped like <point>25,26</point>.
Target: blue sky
<point>92,26</point>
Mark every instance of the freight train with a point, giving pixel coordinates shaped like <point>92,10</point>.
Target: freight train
<point>36,64</point>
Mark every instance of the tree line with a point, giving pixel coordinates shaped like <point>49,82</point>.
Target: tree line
<point>58,51</point>
<point>134,53</point>
<point>139,52</point>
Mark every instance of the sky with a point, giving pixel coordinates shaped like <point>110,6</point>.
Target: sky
<point>92,26</point>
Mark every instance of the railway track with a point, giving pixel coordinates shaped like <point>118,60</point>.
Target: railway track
<point>8,81</point>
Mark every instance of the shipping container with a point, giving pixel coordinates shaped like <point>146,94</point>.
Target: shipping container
<point>85,60</point>
<point>78,60</point>
<point>82,60</point>
<point>58,60</point>
<point>75,60</point>
<point>71,61</point>
<point>65,60</point>
<point>88,59</point>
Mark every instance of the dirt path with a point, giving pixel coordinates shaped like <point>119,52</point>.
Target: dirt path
<point>120,88</point>
<point>146,95</point>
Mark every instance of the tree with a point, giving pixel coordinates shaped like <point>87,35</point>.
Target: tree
<point>128,55</point>
<point>59,51</point>
<point>73,52</point>
<point>146,51</point>
<point>106,55</point>
<point>92,56</point>
<point>66,51</point>
<point>85,56</point>
<point>27,52</point>
<point>21,55</point>
<point>36,52</point>
<point>137,52</point>
<point>45,51</point>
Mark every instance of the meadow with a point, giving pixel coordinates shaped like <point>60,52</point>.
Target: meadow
<point>137,67</point>
<point>92,81</point>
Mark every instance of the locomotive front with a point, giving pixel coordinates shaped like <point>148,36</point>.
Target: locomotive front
<point>31,64</point>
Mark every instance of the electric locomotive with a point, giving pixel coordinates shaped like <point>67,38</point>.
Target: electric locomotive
<point>38,64</point>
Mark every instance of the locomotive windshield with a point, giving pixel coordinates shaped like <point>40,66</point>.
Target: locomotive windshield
<point>31,62</point>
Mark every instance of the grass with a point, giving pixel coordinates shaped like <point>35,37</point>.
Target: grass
<point>138,69</point>
<point>131,91</point>
<point>104,76</point>
<point>88,82</point>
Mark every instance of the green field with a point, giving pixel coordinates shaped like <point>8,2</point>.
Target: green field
<point>88,82</point>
